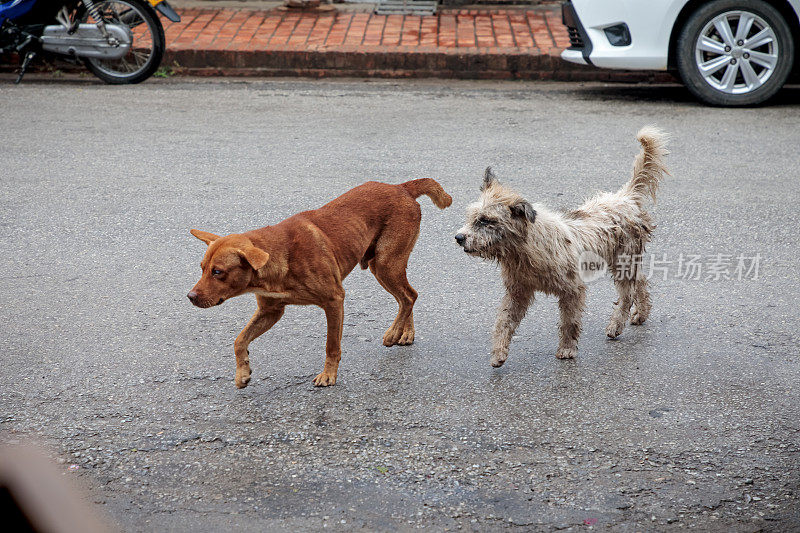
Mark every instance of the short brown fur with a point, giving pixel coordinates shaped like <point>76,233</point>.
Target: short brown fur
<point>304,259</point>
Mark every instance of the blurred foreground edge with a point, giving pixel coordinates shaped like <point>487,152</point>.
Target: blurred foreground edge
<point>36,496</point>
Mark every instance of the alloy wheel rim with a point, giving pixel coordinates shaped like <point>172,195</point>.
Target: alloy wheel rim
<point>736,52</point>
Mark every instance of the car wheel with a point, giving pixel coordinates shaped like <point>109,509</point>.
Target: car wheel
<point>735,52</point>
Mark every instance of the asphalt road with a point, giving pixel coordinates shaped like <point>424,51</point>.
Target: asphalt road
<point>689,421</point>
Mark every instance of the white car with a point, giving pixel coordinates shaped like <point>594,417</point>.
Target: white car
<point>727,52</point>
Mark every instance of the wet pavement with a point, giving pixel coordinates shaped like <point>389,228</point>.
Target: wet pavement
<point>689,421</point>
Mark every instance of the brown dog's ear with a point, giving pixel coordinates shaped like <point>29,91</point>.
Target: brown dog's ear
<point>489,179</point>
<point>255,256</point>
<point>204,236</point>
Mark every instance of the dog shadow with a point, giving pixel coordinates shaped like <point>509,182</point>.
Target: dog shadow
<point>675,94</point>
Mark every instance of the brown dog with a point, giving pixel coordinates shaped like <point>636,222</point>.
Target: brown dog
<point>304,259</point>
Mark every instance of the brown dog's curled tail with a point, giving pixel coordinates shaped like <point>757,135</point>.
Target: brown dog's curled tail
<point>429,187</point>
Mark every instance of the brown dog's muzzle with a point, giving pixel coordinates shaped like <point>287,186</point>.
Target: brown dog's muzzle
<point>201,302</point>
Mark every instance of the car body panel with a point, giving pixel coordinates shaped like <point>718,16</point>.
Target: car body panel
<point>651,24</point>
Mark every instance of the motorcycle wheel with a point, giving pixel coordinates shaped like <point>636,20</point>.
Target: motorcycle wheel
<point>147,48</point>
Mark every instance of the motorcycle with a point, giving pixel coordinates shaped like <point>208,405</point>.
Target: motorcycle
<point>119,41</point>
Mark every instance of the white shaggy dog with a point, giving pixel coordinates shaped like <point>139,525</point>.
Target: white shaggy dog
<point>542,250</point>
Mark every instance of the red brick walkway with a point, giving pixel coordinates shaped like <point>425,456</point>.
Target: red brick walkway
<point>537,31</point>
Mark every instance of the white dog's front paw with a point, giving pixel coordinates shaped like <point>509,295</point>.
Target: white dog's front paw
<point>614,329</point>
<point>566,353</point>
<point>638,316</point>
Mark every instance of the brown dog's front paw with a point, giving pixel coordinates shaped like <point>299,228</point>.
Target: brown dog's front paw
<point>403,337</point>
<point>566,353</point>
<point>407,337</point>
<point>325,380</point>
<point>242,377</point>
<point>391,336</point>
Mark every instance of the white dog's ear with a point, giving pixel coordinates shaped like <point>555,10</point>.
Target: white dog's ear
<point>489,179</point>
<point>524,209</point>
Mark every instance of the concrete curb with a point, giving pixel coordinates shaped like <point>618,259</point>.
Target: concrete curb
<point>396,64</point>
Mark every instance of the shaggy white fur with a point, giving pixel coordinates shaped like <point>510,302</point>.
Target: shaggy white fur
<point>541,250</point>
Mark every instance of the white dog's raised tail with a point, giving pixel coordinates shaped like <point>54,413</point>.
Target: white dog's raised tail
<point>649,167</point>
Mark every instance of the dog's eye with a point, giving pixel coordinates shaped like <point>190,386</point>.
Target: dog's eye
<point>216,272</point>
<point>483,221</point>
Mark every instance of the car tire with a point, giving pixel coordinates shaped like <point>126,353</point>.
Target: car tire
<point>724,66</point>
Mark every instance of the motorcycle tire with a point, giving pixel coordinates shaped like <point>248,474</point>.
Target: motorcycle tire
<point>148,15</point>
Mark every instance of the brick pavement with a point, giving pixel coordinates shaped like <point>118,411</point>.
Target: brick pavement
<point>487,31</point>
